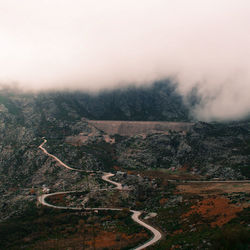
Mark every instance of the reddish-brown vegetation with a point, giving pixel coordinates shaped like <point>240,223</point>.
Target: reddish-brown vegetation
<point>102,240</point>
<point>58,199</point>
<point>163,201</point>
<point>218,210</point>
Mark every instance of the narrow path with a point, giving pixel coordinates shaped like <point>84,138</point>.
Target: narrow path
<point>54,157</point>
<point>135,214</point>
<point>59,161</point>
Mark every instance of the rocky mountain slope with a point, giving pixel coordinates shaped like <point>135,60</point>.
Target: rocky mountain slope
<point>212,150</point>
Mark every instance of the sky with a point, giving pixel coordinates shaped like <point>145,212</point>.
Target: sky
<point>93,44</point>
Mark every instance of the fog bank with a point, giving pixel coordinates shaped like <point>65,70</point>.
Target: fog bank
<point>91,45</point>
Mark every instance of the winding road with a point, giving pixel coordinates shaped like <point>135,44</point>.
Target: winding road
<point>135,214</point>
<point>106,177</point>
<point>54,157</point>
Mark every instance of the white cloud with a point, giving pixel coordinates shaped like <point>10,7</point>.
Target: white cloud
<point>90,44</point>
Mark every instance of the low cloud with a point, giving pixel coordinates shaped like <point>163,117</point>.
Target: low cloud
<point>91,45</point>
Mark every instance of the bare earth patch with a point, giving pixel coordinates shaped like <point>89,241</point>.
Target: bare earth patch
<point>213,188</point>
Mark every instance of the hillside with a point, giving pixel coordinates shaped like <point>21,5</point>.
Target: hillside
<point>211,150</point>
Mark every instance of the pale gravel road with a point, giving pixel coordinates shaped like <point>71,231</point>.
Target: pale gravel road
<point>106,177</point>
<point>135,214</point>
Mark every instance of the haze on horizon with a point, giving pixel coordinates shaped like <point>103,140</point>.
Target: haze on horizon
<point>92,45</point>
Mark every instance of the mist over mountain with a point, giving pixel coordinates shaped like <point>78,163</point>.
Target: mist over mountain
<point>119,108</point>
<point>91,46</point>
<point>157,102</point>
<point>169,152</point>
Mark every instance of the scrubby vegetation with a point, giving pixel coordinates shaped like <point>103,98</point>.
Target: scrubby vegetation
<point>44,228</point>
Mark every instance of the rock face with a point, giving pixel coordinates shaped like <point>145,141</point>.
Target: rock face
<point>132,128</point>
